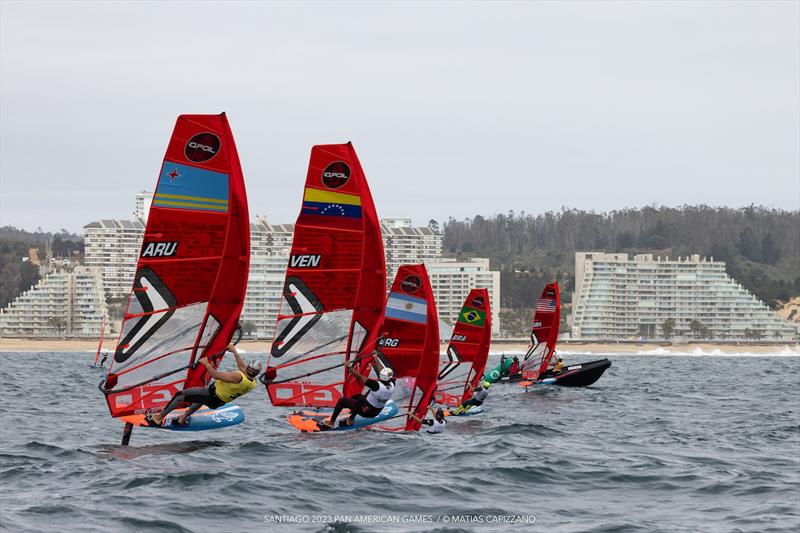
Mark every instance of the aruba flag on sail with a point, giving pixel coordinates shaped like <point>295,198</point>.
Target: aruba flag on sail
<point>185,187</point>
<point>331,204</point>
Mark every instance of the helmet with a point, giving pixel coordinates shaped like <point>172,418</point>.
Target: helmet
<point>253,367</point>
<point>486,384</point>
<point>386,374</point>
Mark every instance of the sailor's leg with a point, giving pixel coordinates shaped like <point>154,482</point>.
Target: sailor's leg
<point>348,403</point>
<point>195,394</point>
<point>171,406</point>
<point>186,414</point>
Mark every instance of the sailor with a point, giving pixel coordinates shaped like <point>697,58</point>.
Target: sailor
<point>479,395</point>
<point>437,424</point>
<point>227,387</point>
<point>503,370</point>
<point>514,369</point>
<point>105,357</point>
<point>554,366</point>
<point>367,405</point>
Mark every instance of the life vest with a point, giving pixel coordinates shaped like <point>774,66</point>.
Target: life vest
<point>480,394</point>
<point>436,426</point>
<point>227,392</point>
<point>378,398</point>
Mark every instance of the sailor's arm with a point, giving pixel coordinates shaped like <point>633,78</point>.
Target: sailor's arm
<point>361,379</point>
<point>229,377</point>
<point>240,364</point>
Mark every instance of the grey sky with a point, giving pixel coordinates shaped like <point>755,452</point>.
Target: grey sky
<point>454,109</point>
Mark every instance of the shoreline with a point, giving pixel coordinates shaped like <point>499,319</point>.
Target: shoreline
<point>498,346</point>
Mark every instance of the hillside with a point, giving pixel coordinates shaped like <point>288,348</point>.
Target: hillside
<point>17,275</point>
<point>760,246</point>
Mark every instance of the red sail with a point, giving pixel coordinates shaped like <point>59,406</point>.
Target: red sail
<point>409,342</point>
<point>465,359</point>
<point>544,332</point>
<point>192,272</point>
<point>335,284</point>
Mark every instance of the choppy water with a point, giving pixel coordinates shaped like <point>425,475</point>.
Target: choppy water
<point>658,444</point>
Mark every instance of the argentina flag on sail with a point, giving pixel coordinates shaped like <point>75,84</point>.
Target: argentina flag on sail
<point>408,308</point>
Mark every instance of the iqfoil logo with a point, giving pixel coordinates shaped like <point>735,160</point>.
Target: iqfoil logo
<point>202,147</point>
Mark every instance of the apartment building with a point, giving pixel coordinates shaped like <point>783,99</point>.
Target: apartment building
<point>452,280</point>
<point>619,297</point>
<point>68,302</point>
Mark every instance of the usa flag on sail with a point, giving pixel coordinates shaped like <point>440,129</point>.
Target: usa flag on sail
<point>546,304</point>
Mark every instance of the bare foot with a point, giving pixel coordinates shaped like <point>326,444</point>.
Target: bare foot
<point>327,423</point>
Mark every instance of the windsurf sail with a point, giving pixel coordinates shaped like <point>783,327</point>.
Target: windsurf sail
<point>465,359</point>
<point>191,275</point>
<point>335,284</point>
<point>100,344</point>
<point>544,332</point>
<point>409,344</point>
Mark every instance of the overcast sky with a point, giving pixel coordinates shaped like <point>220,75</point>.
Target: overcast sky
<point>454,109</point>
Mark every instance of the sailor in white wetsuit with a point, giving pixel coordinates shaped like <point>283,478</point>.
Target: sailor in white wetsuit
<point>367,405</point>
<point>437,424</point>
<point>479,395</point>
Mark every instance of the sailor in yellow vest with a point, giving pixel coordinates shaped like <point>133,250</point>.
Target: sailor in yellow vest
<point>554,367</point>
<point>227,387</point>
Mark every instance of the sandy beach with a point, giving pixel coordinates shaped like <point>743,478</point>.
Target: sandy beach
<point>498,346</point>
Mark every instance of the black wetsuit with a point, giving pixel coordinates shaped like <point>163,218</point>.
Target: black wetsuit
<point>358,404</point>
<point>197,396</point>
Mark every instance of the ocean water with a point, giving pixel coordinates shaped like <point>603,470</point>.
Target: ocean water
<point>703,443</point>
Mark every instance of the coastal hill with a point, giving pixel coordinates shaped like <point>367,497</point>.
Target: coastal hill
<point>760,247</point>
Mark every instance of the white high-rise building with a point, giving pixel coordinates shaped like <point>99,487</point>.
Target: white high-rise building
<point>142,209</point>
<point>618,297</point>
<point>68,302</point>
<point>407,245</point>
<point>113,247</point>
<point>269,255</point>
<point>452,280</point>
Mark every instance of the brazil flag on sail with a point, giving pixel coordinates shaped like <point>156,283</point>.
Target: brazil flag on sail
<point>471,316</point>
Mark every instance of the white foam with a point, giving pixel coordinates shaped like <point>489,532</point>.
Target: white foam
<point>687,351</point>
